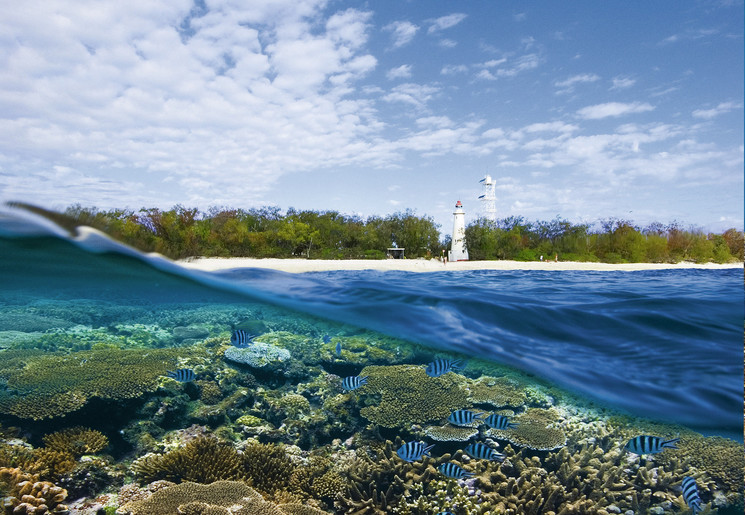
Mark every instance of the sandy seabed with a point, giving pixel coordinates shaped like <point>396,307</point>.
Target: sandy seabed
<point>428,265</point>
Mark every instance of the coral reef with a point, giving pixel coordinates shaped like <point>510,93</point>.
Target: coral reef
<point>25,494</point>
<point>497,391</point>
<point>409,396</point>
<point>449,433</point>
<point>532,431</point>
<point>258,355</point>
<point>53,385</point>
<point>77,441</point>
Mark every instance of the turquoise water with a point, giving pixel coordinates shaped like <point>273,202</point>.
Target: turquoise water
<point>589,348</point>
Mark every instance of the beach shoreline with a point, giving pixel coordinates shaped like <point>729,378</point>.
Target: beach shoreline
<point>429,265</point>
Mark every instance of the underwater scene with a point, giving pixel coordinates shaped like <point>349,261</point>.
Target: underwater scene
<point>129,385</point>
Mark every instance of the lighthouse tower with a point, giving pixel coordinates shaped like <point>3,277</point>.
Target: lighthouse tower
<point>458,250</point>
<point>489,199</point>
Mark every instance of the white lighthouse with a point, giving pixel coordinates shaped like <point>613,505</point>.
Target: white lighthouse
<point>458,250</point>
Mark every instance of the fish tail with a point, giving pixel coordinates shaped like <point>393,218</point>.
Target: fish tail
<point>670,444</point>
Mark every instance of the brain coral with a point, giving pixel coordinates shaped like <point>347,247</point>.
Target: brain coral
<point>409,396</point>
<point>52,385</point>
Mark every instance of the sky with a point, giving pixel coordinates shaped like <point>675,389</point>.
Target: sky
<point>584,110</point>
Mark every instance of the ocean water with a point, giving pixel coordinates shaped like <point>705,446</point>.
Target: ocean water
<point>663,345</point>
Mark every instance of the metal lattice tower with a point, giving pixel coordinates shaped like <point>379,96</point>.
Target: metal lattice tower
<point>489,199</point>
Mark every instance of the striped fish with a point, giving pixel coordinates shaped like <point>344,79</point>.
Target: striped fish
<point>413,451</point>
<point>482,451</point>
<point>353,382</point>
<point>182,375</point>
<point>464,417</point>
<point>646,444</point>
<point>453,470</point>
<point>441,366</point>
<point>445,513</point>
<point>241,338</point>
<point>690,494</point>
<point>499,422</point>
<point>326,338</point>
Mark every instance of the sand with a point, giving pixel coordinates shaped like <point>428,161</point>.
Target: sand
<point>427,265</point>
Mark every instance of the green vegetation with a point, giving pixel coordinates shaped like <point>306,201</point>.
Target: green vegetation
<point>265,232</point>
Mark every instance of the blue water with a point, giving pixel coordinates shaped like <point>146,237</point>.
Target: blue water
<point>662,344</point>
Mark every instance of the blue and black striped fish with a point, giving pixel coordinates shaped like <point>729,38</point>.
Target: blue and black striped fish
<point>445,513</point>
<point>499,422</point>
<point>353,382</point>
<point>441,366</point>
<point>453,470</point>
<point>464,417</point>
<point>241,338</point>
<point>413,451</point>
<point>326,338</point>
<point>482,451</point>
<point>690,494</point>
<point>182,375</point>
<point>646,444</point>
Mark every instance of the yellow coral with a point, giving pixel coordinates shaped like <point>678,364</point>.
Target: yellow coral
<point>26,494</point>
<point>409,396</point>
<point>497,391</point>
<point>52,385</point>
<point>77,441</point>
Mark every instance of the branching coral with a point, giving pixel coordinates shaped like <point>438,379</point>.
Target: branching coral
<point>203,460</point>
<point>267,467</point>
<point>409,396</point>
<point>76,441</point>
<point>52,385</point>
<point>27,495</point>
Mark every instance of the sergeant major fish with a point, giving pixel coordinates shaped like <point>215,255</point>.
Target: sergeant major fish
<point>441,366</point>
<point>453,470</point>
<point>645,444</point>
<point>690,494</point>
<point>353,382</point>
<point>464,417</point>
<point>182,375</point>
<point>481,451</point>
<point>413,451</point>
<point>241,338</point>
<point>499,422</point>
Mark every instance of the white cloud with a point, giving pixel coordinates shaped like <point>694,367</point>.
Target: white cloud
<point>402,32</point>
<point>452,69</point>
<point>448,43</point>
<point>415,94</point>
<point>400,72</point>
<point>622,83</point>
<point>567,85</point>
<point>513,68</point>
<point>722,108</point>
<point>445,22</point>
<point>612,109</point>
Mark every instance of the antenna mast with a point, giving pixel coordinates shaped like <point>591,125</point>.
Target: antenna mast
<point>489,199</point>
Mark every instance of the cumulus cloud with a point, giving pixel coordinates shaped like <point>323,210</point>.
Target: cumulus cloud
<point>400,72</point>
<point>613,109</point>
<point>233,95</point>
<point>722,108</point>
<point>402,32</point>
<point>445,22</point>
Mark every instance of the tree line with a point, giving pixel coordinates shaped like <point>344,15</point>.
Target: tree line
<point>183,232</point>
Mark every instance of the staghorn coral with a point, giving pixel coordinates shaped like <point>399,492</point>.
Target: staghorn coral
<point>409,396</point>
<point>497,391</point>
<point>27,495</point>
<point>202,460</point>
<point>76,441</point>
<point>450,433</point>
<point>53,385</point>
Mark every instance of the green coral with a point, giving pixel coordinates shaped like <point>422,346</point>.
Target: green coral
<point>77,441</point>
<point>249,421</point>
<point>409,396</point>
<point>449,433</point>
<point>46,385</point>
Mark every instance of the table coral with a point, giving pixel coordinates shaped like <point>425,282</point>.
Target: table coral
<point>532,431</point>
<point>449,433</point>
<point>53,385</point>
<point>497,391</point>
<point>409,396</point>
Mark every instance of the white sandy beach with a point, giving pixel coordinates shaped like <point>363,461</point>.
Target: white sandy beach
<point>426,265</point>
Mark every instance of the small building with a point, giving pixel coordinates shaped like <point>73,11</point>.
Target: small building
<point>395,253</point>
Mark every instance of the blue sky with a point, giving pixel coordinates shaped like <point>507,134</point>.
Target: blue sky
<point>581,109</point>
